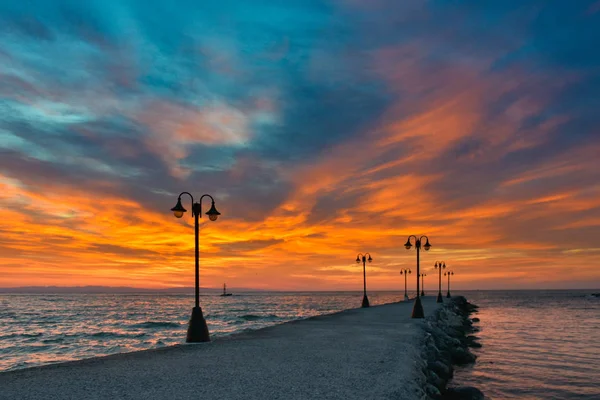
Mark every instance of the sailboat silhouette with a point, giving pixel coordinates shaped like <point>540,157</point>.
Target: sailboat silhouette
<point>225,291</point>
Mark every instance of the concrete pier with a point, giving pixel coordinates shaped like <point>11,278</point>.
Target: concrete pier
<point>364,353</point>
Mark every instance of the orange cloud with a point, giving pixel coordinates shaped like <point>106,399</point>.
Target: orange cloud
<point>414,170</point>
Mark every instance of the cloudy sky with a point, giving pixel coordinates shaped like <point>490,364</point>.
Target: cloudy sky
<point>322,128</point>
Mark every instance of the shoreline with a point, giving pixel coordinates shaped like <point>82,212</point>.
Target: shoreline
<point>356,353</point>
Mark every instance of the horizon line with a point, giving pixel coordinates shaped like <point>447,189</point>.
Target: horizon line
<point>191,288</point>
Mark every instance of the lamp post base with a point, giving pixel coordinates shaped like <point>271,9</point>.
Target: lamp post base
<point>448,295</point>
<point>439,299</point>
<point>365,302</point>
<point>422,293</point>
<point>406,297</point>
<point>197,329</point>
<point>417,311</point>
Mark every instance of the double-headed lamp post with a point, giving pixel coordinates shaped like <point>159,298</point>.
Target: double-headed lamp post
<point>440,265</point>
<point>363,257</point>
<point>448,273</point>
<point>197,329</point>
<point>405,272</point>
<point>417,311</point>
<point>423,284</point>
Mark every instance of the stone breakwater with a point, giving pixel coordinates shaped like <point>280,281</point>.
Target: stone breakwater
<point>448,337</point>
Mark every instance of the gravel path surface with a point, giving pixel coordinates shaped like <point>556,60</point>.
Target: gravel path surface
<point>355,354</point>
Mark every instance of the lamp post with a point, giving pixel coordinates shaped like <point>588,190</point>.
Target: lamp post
<point>417,311</point>
<point>448,273</point>
<point>440,265</point>
<point>197,329</point>
<point>363,257</point>
<point>423,284</point>
<point>405,272</point>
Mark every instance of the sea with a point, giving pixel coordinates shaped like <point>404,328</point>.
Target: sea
<point>535,344</point>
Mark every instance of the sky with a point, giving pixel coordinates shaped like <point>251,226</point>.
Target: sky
<point>321,128</point>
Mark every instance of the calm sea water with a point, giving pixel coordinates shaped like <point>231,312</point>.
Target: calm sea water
<point>38,329</point>
<point>536,345</point>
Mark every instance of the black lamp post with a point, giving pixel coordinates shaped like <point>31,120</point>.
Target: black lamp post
<point>363,257</point>
<point>448,273</point>
<point>423,284</point>
<point>405,272</point>
<point>418,307</point>
<point>197,329</point>
<point>440,265</point>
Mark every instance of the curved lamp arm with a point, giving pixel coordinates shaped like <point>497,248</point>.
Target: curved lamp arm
<point>360,256</point>
<point>212,213</point>
<point>189,194</point>
<point>179,209</point>
<point>427,246</point>
<point>206,195</point>
<point>408,244</point>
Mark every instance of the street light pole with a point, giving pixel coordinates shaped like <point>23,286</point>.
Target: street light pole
<point>405,272</point>
<point>197,328</point>
<point>448,273</point>
<point>363,257</point>
<point>423,284</point>
<point>440,265</point>
<point>417,311</point>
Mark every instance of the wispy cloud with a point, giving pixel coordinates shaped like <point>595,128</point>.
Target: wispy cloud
<point>322,128</point>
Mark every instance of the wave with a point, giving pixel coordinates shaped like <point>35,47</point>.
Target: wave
<point>38,348</point>
<point>22,335</point>
<point>156,324</point>
<point>253,317</point>
<point>105,334</point>
<point>54,340</point>
<point>51,299</point>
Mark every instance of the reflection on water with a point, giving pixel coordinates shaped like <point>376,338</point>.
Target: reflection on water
<point>39,329</point>
<point>536,345</point>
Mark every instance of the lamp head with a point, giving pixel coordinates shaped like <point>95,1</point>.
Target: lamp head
<point>178,210</point>
<point>357,259</point>
<point>407,245</point>
<point>427,245</point>
<point>213,214</point>
<point>370,259</point>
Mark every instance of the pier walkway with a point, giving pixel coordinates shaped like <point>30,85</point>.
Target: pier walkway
<point>361,354</point>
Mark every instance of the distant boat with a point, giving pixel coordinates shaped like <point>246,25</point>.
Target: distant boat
<point>225,291</point>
